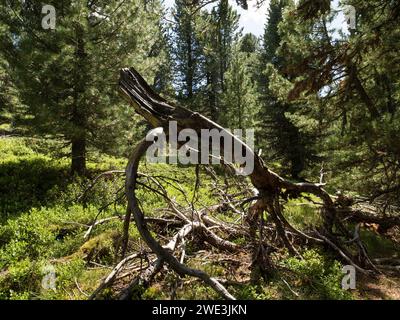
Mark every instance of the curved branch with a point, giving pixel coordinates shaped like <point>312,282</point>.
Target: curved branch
<point>162,253</point>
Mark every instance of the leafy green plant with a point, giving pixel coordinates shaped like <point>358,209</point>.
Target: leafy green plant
<point>254,292</point>
<point>316,276</point>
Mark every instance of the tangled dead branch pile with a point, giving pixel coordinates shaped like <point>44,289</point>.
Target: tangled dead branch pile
<point>258,205</point>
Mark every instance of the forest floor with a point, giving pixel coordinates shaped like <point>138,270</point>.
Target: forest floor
<point>44,222</point>
<point>380,288</point>
<point>237,270</point>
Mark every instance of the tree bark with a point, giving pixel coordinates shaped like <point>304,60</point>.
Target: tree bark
<point>78,116</point>
<point>78,164</point>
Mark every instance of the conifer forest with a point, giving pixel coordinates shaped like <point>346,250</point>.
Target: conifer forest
<point>200,150</point>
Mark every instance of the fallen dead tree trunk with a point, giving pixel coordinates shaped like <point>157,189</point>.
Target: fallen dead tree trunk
<point>159,113</point>
<point>271,188</point>
<point>162,253</point>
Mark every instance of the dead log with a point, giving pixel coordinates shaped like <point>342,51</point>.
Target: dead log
<point>158,112</point>
<point>270,186</point>
<point>154,245</point>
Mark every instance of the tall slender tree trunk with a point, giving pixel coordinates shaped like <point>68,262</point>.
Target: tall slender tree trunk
<point>79,117</point>
<point>212,96</point>
<point>190,66</point>
<point>78,164</point>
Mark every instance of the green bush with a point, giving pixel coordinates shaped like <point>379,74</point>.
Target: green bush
<point>29,179</point>
<point>25,177</point>
<point>26,236</point>
<point>21,280</point>
<point>253,292</point>
<point>317,277</point>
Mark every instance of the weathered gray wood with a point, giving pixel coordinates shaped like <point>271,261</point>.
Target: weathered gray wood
<point>162,253</point>
<point>158,112</point>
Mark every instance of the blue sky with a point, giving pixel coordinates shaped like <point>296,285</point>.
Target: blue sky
<point>254,19</point>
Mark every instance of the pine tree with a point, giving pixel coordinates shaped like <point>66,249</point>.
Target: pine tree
<point>348,87</point>
<point>249,43</point>
<point>239,101</point>
<point>281,137</point>
<point>68,76</point>
<point>186,52</point>
<point>221,26</point>
<point>201,49</point>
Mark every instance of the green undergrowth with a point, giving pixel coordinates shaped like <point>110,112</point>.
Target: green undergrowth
<point>44,217</point>
<point>316,277</point>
